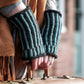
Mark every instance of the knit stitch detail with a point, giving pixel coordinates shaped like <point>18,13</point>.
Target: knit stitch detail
<point>29,34</point>
<point>51,31</point>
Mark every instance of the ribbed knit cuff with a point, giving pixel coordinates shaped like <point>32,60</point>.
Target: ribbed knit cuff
<point>33,53</point>
<point>51,31</point>
<point>51,50</point>
<point>29,34</point>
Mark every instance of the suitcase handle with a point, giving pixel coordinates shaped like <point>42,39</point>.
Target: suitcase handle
<point>30,76</point>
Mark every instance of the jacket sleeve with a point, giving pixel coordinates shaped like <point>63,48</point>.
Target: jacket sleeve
<point>4,3</point>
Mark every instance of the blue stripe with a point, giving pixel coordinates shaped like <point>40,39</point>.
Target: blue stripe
<point>37,28</point>
<point>47,31</point>
<point>56,33</point>
<point>52,49</point>
<point>31,53</point>
<point>28,30</point>
<point>43,29</point>
<point>32,28</point>
<point>38,51</point>
<point>14,36</point>
<point>23,31</point>
<point>48,48</point>
<point>41,40</point>
<point>35,53</point>
<point>21,39</point>
<point>51,35</point>
<point>45,47</point>
<point>42,47</point>
<point>26,54</point>
<point>59,33</point>
<point>19,34</point>
<point>56,29</point>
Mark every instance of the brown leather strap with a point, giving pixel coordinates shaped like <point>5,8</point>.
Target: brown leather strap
<point>1,68</point>
<point>5,60</point>
<point>30,72</point>
<point>47,72</point>
<point>5,69</point>
<point>13,77</point>
<point>9,76</point>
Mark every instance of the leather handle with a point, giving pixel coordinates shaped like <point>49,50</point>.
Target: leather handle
<point>9,76</point>
<point>29,71</point>
<point>46,71</point>
<point>13,76</point>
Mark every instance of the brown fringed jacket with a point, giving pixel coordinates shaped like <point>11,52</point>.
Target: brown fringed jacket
<point>7,2</point>
<point>6,40</point>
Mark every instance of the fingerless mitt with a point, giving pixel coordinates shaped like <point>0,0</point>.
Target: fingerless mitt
<point>51,31</point>
<point>29,34</point>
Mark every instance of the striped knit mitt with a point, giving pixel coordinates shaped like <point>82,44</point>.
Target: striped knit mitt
<point>29,34</point>
<point>51,31</point>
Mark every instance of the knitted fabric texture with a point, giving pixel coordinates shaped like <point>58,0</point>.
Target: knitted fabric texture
<point>51,31</point>
<point>29,34</point>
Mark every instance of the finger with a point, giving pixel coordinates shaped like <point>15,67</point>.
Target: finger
<point>48,64</point>
<point>45,59</point>
<point>51,63</point>
<point>38,61</point>
<point>49,60</point>
<point>53,59</point>
<point>44,64</point>
<point>41,59</point>
<point>34,64</point>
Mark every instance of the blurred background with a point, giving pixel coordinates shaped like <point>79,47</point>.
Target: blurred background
<point>71,49</point>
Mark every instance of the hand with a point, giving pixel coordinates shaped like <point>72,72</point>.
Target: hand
<point>47,62</point>
<point>41,63</point>
<point>36,62</point>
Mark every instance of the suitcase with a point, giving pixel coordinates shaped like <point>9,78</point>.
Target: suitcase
<point>46,79</point>
<point>50,80</point>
